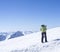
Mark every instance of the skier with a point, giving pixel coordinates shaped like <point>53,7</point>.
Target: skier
<point>43,30</point>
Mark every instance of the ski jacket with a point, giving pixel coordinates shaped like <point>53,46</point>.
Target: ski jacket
<point>43,29</point>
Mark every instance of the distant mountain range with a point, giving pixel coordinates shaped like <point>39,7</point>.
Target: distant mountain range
<point>10,35</point>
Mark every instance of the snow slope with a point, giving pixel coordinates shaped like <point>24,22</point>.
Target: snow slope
<point>32,43</point>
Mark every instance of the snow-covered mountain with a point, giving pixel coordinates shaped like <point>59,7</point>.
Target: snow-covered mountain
<point>32,43</point>
<point>10,35</point>
<point>29,32</point>
<point>16,34</point>
<point>4,35</point>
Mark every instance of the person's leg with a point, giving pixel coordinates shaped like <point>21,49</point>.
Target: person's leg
<point>45,37</point>
<point>42,37</point>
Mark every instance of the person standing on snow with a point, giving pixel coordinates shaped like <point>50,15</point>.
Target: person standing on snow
<point>43,33</point>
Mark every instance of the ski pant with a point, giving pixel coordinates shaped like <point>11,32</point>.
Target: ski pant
<point>44,37</point>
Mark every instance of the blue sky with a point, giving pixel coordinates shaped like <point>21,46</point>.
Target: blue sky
<point>28,14</point>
